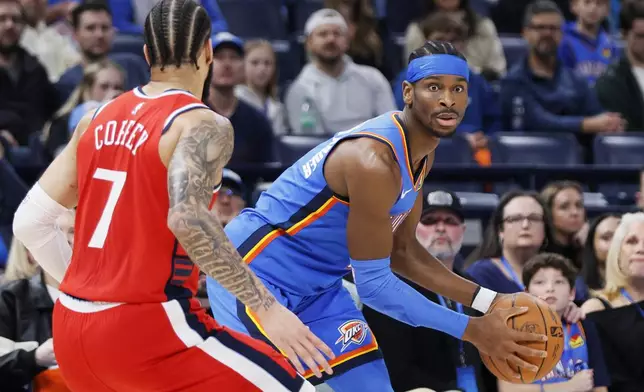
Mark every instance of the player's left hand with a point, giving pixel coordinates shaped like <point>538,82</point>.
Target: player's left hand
<point>573,313</point>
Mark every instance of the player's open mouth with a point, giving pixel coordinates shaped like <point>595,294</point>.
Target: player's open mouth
<point>447,119</point>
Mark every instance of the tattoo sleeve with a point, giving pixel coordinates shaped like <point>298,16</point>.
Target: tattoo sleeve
<point>195,168</point>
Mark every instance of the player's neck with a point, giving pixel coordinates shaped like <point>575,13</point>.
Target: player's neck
<point>421,142</point>
<point>182,79</point>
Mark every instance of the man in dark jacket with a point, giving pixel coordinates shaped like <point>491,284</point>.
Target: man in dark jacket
<point>423,357</point>
<point>621,88</point>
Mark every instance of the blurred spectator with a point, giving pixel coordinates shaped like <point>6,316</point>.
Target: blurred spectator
<point>365,45</point>
<point>482,116</point>
<point>58,10</point>
<point>129,15</point>
<point>483,48</point>
<point>260,90</point>
<point>27,355</point>
<point>618,311</point>
<point>423,357</point>
<point>582,367</point>
<point>93,30</point>
<point>230,198</point>
<point>12,191</point>
<point>54,51</point>
<point>505,14</point>
<point>253,133</point>
<point>565,200</point>
<point>27,98</point>
<point>586,47</point>
<point>621,88</point>
<point>101,82</point>
<point>332,93</point>
<point>593,270</point>
<point>519,228</point>
<point>540,94</point>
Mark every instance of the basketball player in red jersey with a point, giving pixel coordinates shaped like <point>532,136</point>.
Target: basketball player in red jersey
<point>140,171</point>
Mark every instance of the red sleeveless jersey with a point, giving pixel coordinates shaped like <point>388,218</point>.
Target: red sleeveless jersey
<point>123,249</point>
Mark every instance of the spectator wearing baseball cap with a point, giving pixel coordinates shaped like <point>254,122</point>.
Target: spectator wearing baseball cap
<point>441,227</point>
<point>230,198</point>
<point>420,358</point>
<point>332,93</point>
<point>253,131</point>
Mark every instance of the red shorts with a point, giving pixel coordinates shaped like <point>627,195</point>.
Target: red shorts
<point>171,346</point>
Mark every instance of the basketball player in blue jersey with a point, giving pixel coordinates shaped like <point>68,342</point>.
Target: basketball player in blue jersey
<point>352,204</point>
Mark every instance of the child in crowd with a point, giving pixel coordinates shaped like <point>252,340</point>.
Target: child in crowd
<point>581,369</point>
<point>586,47</point>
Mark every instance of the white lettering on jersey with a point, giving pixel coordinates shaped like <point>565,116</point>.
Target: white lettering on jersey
<point>107,135</point>
<point>309,167</point>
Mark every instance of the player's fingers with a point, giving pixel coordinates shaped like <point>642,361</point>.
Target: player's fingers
<point>529,337</point>
<point>515,360</point>
<point>307,358</point>
<point>316,355</point>
<point>320,345</point>
<point>290,354</point>
<point>514,311</point>
<point>529,352</point>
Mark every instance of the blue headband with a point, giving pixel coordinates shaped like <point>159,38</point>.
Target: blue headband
<point>437,64</point>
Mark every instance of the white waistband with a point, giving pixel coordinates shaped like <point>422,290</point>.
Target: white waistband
<point>80,306</point>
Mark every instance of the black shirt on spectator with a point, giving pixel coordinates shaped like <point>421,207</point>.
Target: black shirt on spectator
<point>27,98</point>
<point>253,135</point>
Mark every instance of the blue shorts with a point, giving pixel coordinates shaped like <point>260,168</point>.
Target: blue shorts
<point>331,315</point>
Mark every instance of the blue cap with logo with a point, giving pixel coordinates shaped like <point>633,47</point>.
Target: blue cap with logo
<point>228,39</point>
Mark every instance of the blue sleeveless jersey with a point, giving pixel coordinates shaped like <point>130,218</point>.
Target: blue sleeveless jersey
<point>295,237</point>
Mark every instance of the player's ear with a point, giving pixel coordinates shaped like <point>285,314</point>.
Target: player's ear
<point>407,92</point>
<point>146,54</point>
<point>208,52</point>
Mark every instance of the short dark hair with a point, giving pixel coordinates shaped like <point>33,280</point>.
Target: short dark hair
<point>175,31</point>
<point>549,260</point>
<point>630,12</point>
<point>442,22</point>
<point>436,47</point>
<point>540,7</point>
<point>87,6</point>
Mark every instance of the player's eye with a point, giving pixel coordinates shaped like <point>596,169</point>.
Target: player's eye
<point>459,89</point>
<point>433,87</point>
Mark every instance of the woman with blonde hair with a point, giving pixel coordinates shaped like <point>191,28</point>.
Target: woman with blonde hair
<point>618,309</point>
<point>101,82</point>
<point>260,89</point>
<point>27,357</point>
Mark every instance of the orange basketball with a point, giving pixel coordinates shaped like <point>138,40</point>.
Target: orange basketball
<point>538,319</point>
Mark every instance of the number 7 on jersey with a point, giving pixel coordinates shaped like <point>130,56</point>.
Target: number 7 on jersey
<point>117,178</point>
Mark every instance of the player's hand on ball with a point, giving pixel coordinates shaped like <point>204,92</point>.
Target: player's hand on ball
<point>581,382</point>
<point>295,339</point>
<point>492,336</point>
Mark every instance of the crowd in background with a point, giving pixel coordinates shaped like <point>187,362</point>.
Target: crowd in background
<point>581,75</point>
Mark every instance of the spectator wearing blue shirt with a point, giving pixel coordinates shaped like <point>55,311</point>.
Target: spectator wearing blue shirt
<point>540,94</point>
<point>586,47</point>
<point>253,131</point>
<point>483,115</point>
<point>94,32</point>
<point>129,15</point>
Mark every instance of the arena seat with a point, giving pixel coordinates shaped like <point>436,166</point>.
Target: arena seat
<point>401,12</point>
<point>128,43</point>
<point>514,48</point>
<point>624,149</point>
<point>290,148</point>
<point>535,148</point>
<point>454,150</point>
<point>254,18</point>
<point>478,199</point>
<point>595,199</point>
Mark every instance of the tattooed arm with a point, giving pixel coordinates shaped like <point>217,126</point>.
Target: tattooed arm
<point>202,151</point>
